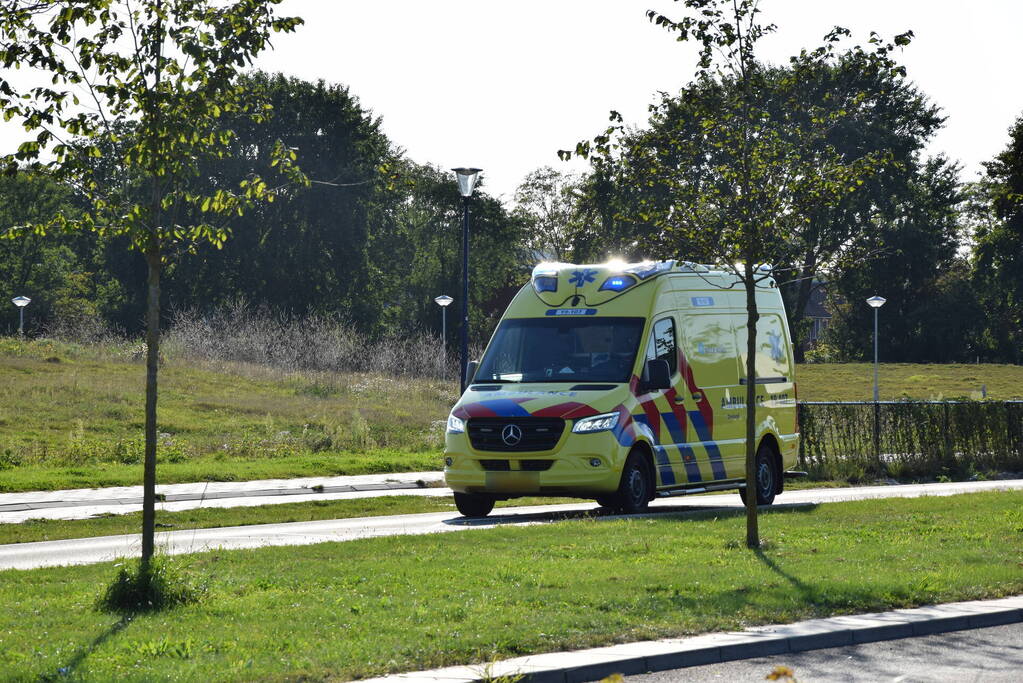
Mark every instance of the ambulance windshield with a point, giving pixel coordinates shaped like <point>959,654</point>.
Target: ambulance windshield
<point>562,349</point>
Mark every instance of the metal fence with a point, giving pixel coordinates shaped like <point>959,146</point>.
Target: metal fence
<point>864,439</point>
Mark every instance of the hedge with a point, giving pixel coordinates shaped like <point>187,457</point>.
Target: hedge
<point>914,439</point>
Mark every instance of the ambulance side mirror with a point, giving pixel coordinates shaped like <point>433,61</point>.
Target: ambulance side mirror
<point>470,371</point>
<point>656,375</point>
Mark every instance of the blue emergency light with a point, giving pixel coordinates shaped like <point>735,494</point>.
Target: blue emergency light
<point>545,283</point>
<point>617,283</point>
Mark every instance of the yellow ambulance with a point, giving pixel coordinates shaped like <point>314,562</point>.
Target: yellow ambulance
<point>623,383</point>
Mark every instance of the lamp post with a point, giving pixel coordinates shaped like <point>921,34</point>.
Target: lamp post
<point>21,302</point>
<point>876,302</point>
<point>444,301</point>
<point>466,182</point>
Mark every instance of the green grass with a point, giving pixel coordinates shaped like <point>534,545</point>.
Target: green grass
<point>855,381</point>
<point>71,416</point>
<point>346,610</point>
<point>205,518</point>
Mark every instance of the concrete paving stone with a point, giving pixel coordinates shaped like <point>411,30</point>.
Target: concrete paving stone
<point>521,666</point>
<point>870,628</point>
<point>996,618</point>
<point>452,674</point>
<point>579,665</point>
<point>819,641</point>
<point>940,625</point>
<point>598,670</point>
<point>694,651</point>
<point>753,644</point>
<point>940,618</point>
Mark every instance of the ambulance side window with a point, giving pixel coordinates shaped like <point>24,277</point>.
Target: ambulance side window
<point>662,343</point>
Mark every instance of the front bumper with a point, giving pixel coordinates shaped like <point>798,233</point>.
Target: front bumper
<point>579,465</point>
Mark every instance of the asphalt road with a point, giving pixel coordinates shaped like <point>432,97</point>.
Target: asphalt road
<point>106,548</point>
<point>989,654</point>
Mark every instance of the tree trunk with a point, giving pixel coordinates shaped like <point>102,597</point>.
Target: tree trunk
<point>152,366</point>
<point>803,289</point>
<point>752,316</point>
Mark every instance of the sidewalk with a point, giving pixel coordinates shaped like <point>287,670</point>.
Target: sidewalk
<point>85,503</point>
<point>675,653</point>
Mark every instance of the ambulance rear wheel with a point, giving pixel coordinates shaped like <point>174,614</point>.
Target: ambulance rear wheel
<point>767,477</point>
<point>473,504</point>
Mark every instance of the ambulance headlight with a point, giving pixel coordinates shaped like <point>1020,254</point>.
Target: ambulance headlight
<point>455,425</point>
<point>597,423</point>
<point>545,283</point>
<point>617,283</point>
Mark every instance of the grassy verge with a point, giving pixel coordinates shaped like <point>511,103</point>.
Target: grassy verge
<point>71,416</point>
<point>207,518</point>
<point>41,478</point>
<point>356,609</point>
<point>855,381</point>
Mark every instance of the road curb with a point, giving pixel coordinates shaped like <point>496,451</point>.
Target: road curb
<point>660,655</point>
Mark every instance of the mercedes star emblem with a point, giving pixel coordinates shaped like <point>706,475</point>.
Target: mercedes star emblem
<point>511,435</point>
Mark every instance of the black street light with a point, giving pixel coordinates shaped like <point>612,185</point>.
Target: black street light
<point>876,302</point>
<point>466,182</point>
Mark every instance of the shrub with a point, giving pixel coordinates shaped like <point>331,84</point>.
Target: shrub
<point>148,589</point>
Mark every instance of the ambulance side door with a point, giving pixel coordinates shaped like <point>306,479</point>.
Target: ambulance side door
<point>711,375</point>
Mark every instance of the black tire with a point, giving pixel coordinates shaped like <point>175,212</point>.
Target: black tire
<point>474,504</point>
<point>767,477</point>
<point>634,490</point>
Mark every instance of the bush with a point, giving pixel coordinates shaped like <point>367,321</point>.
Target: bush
<point>159,586</point>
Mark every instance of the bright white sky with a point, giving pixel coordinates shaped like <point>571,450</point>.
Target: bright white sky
<point>504,85</point>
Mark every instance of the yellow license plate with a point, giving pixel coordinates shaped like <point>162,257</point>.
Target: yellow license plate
<point>513,482</point>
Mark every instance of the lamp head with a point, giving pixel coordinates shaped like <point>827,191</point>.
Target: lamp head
<point>876,301</point>
<point>443,300</point>
<point>21,301</point>
<point>466,180</point>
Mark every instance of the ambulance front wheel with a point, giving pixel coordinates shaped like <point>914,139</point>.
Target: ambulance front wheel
<point>474,504</point>
<point>634,490</point>
<point>767,477</point>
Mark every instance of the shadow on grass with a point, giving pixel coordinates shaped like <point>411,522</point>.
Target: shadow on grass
<point>661,512</point>
<point>808,593</point>
<point>68,670</point>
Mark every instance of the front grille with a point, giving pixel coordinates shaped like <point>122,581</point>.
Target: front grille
<point>495,465</point>
<point>538,433</point>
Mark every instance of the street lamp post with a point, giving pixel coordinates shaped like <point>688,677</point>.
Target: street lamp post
<point>21,302</point>
<point>466,182</point>
<point>444,301</point>
<point>876,302</point>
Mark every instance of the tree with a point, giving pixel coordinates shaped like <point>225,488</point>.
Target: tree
<point>309,251</point>
<point>157,76</point>
<point>417,248</point>
<point>737,174</point>
<point>891,119</point>
<point>545,201</point>
<point>918,269</point>
<point>999,250</point>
